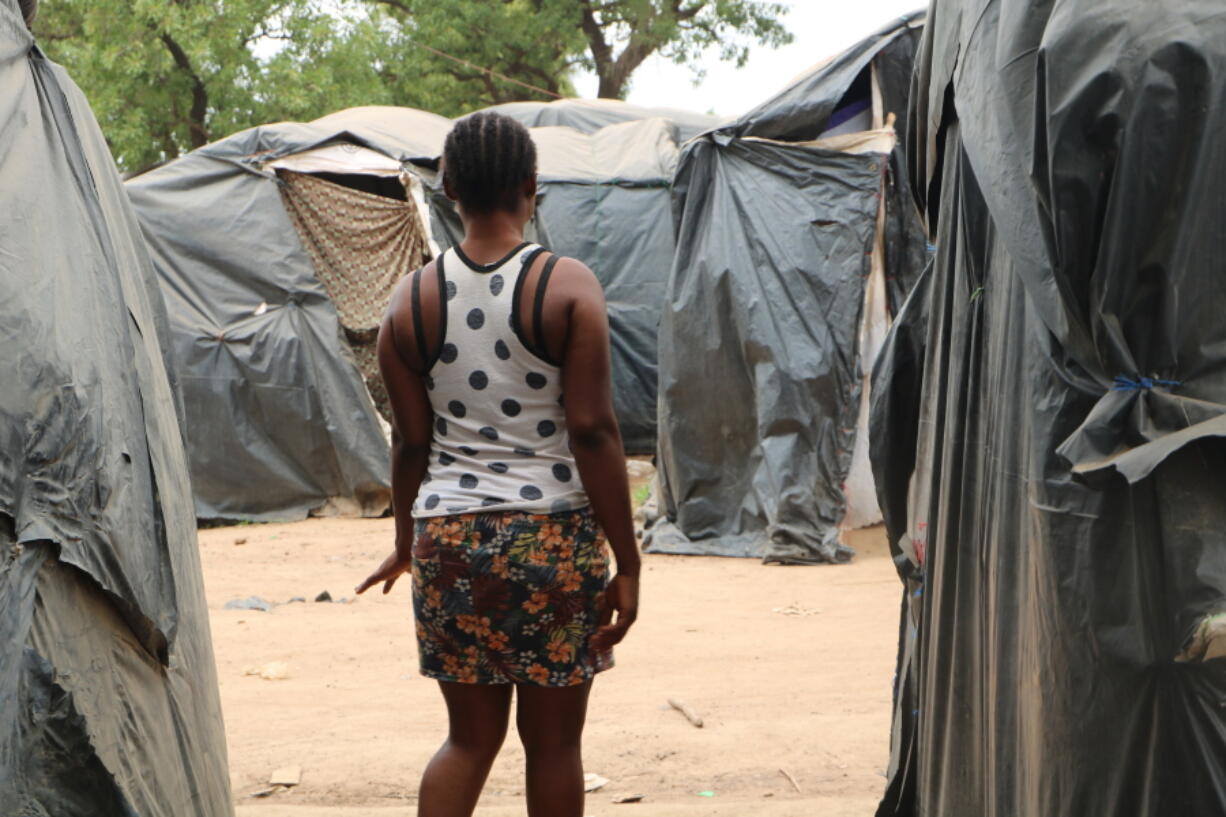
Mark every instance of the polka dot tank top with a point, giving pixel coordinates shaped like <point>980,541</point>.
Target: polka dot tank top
<point>500,441</point>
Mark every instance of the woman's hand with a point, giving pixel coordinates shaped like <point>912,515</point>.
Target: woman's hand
<point>621,597</point>
<point>391,569</point>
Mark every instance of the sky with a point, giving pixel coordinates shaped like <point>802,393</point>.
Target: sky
<point>821,28</point>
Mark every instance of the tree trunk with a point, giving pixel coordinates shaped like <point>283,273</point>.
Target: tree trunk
<point>197,126</point>
<point>610,87</point>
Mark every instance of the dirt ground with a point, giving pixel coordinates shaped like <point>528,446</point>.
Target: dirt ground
<point>790,667</point>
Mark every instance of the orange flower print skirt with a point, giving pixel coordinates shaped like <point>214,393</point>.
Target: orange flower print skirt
<point>509,598</point>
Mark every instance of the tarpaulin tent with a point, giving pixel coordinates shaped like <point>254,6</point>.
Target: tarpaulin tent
<point>590,115</point>
<point>793,240</point>
<point>1049,416</point>
<point>604,199</point>
<point>108,690</point>
<point>277,249</point>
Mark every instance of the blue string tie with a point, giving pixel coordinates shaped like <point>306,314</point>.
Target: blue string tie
<point>1124,383</point>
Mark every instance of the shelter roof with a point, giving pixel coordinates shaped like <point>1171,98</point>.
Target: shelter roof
<point>590,115</point>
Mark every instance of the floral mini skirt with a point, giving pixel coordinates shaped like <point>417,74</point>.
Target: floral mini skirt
<point>510,597</point>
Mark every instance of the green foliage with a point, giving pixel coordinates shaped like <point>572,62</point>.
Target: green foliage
<point>162,76</point>
<point>680,30</point>
<point>641,495</point>
<point>167,76</point>
<point>533,44</point>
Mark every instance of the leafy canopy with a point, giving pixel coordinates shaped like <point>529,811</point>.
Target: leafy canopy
<point>167,76</point>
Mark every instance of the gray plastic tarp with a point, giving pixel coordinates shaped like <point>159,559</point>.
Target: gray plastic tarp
<point>1049,413</point>
<point>760,369</point>
<point>590,115</point>
<point>108,690</point>
<point>278,419</point>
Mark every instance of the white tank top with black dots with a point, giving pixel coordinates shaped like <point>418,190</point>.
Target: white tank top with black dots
<point>500,441</point>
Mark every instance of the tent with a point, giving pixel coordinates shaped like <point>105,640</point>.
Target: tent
<point>277,249</point>
<point>604,199</point>
<point>1049,412</point>
<point>108,690</point>
<point>590,115</point>
<point>795,242</point>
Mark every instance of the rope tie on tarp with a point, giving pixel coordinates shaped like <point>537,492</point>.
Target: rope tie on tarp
<point>1125,383</point>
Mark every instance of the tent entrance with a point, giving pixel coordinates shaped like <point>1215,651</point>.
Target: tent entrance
<point>361,219</point>
<point>388,187</point>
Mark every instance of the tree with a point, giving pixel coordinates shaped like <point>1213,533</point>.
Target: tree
<point>163,76</point>
<point>495,50</point>
<point>168,76</point>
<point>678,29</point>
<point>538,42</point>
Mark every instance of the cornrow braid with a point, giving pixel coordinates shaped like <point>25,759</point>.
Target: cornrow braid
<point>486,160</point>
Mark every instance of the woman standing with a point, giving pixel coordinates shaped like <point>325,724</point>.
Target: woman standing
<point>507,475</point>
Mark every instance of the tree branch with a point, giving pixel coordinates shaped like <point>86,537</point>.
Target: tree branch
<point>396,4</point>
<point>685,15</point>
<point>602,54</point>
<point>200,95</point>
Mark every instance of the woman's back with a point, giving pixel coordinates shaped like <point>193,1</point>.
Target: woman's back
<point>500,441</point>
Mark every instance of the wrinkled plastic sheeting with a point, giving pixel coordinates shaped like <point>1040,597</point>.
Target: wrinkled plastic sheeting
<point>1048,416</point>
<point>591,115</point>
<point>800,111</point>
<point>760,376</point>
<point>760,359</point>
<point>605,200</point>
<point>278,418</point>
<point>108,690</point>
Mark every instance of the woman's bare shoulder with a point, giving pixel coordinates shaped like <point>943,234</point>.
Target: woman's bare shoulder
<point>574,278</point>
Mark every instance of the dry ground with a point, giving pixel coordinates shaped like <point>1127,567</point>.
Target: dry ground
<point>809,693</point>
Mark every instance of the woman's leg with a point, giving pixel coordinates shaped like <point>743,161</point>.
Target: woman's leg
<point>550,722</point>
<point>477,716</point>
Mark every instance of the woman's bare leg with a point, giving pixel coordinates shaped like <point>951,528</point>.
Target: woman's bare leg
<point>550,723</point>
<point>477,714</point>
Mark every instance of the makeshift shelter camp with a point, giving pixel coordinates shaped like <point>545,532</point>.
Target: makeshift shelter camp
<point>794,240</point>
<point>590,115</point>
<point>604,199</point>
<point>1049,414</point>
<point>108,690</point>
<point>277,249</point>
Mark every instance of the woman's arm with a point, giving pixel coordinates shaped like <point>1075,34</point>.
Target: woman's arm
<point>412,421</point>
<point>596,439</point>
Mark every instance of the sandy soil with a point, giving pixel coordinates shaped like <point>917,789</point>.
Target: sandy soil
<point>809,693</point>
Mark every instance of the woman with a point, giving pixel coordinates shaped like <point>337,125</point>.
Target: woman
<point>507,474</point>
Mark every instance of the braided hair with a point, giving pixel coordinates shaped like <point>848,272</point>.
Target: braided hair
<point>486,160</point>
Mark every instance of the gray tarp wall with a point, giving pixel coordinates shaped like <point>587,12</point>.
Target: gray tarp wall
<point>108,690</point>
<point>605,200</point>
<point>590,115</point>
<point>1049,416</point>
<point>760,370</point>
<point>278,418</point>
<point>278,421</point>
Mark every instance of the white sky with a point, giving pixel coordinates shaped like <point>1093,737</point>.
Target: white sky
<point>820,29</point>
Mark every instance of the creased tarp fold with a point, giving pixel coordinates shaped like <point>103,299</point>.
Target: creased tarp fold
<point>801,110</point>
<point>1058,451</point>
<point>591,115</point>
<point>108,691</point>
<point>760,360</point>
